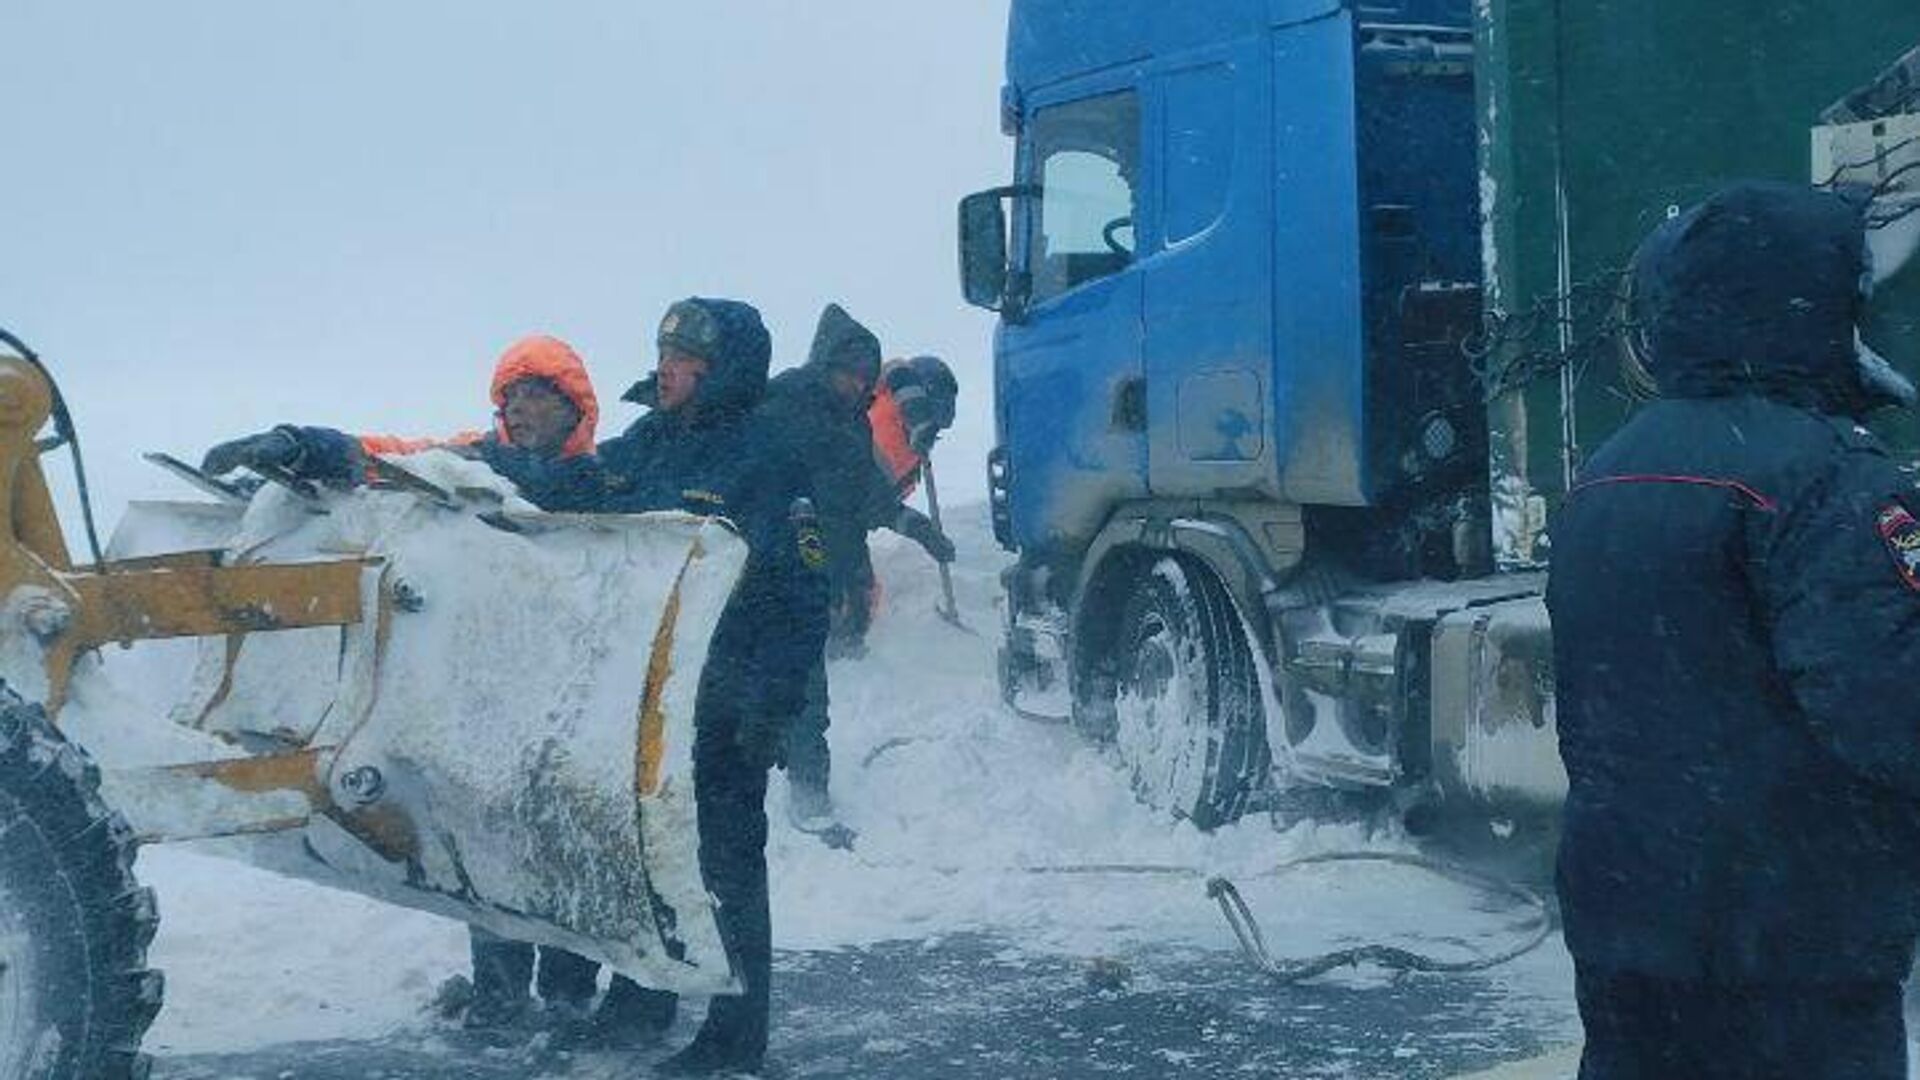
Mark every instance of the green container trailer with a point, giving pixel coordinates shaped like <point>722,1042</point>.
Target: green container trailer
<point>1597,117</point>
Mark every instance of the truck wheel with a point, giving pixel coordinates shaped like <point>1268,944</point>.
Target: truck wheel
<point>75,993</point>
<point>1188,719</point>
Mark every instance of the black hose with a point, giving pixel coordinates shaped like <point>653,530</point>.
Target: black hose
<point>1246,929</point>
<point>1240,919</point>
<point>64,432</point>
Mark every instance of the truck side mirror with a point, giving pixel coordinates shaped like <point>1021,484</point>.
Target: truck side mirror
<point>983,249</point>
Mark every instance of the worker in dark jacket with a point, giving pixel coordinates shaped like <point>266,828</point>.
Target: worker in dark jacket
<point>820,409</point>
<point>1735,596</point>
<point>545,416</point>
<point>701,450</point>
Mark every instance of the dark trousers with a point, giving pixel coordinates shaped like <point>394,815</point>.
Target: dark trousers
<point>732,797</point>
<point>1641,1028</point>
<point>809,762</point>
<point>502,969</point>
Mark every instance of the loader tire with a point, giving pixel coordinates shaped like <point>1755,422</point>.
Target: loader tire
<point>1188,714</point>
<point>76,996</point>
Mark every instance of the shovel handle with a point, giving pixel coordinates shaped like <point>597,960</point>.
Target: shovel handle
<point>952,610</point>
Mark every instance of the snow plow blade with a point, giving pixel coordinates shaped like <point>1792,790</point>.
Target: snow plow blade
<point>497,726</point>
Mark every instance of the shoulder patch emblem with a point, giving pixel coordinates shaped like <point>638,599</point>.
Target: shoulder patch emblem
<point>1900,531</point>
<point>806,534</point>
<point>813,550</point>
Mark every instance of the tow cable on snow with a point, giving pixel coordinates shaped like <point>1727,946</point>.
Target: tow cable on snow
<point>1247,930</point>
<point>1253,943</point>
<point>1288,971</point>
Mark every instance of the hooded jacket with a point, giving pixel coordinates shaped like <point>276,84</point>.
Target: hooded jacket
<point>834,443</point>
<point>841,342</point>
<point>707,457</point>
<point>1735,594</point>
<point>570,481</point>
<point>1758,290</point>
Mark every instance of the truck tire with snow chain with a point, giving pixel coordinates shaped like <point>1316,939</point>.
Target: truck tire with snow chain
<point>1188,716</point>
<point>75,992</point>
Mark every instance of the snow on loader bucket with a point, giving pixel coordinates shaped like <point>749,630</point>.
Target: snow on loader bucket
<point>425,691</point>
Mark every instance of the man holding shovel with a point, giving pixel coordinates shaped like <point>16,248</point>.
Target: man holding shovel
<point>915,402</point>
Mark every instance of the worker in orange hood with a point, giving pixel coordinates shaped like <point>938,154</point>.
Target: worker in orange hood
<point>542,439</point>
<point>544,421</point>
<point>545,418</point>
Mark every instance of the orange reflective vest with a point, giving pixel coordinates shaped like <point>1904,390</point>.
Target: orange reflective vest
<point>890,446</point>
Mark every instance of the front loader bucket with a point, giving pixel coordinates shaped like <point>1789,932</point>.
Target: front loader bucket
<point>504,736</point>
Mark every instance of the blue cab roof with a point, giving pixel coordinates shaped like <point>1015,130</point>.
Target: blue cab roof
<point>1052,40</point>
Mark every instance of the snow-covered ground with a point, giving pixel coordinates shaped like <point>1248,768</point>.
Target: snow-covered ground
<point>962,810</point>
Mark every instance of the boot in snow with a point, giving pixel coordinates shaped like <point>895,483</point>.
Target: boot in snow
<point>809,806</point>
<point>629,1017</point>
<point>732,1039</point>
<point>810,809</point>
<point>502,970</point>
<point>568,1024</point>
<point>498,1018</point>
<point>708,1058</point>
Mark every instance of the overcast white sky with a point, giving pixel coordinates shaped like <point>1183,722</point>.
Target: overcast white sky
<point>223,214</point>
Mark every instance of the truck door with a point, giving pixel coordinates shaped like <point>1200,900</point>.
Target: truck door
<point>1208,293</point>
<point>1072,402</point>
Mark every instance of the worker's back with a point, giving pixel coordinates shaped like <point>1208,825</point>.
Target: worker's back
<point>1733,625</point>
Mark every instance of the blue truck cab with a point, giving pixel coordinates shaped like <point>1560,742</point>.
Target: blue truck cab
<point>1294,354</point>
<point>1235,269</point>
<point>1242,235</point>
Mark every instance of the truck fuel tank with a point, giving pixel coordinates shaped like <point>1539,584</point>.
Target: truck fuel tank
<point>1494,737</point>
<point>1440,686</point>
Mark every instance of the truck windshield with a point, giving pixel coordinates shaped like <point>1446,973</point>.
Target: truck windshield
<point>1085,156</point>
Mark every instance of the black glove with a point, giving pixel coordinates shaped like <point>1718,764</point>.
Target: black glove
<point>762,739</point>
<point>921,436</point>
<point>920,529</point>
<point>850,610</point>
<point>268,450</point>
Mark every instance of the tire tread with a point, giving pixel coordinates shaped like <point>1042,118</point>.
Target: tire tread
<point>54,786</point>
<point>1237,755</point>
